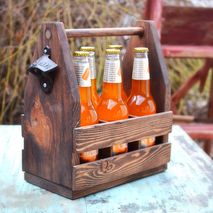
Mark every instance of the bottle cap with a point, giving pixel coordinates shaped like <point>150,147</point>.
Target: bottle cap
<point>141,49</point>
<point>112,51</point>
<point>88,48</point>
<point>115,46</point>
<point>81,53</point>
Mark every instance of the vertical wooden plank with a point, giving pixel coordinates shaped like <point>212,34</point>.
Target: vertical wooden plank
<point>153,11</point>
<point>50,118</point>
<point>22,125</point>
<point>210,112</point>
<point>160,86</point>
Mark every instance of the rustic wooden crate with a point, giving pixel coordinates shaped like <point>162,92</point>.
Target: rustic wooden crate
<point>50,124</point>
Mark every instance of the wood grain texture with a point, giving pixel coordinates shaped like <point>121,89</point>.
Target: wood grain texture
<point>96,32</point>
<point>129,130</point>
<point>49,118</point>
<point>50,186</point>
<point>187,26</point>
<point>101,187</point>
<point>160,86</point>
<point>52,137</point>
<point>120,166</point>
<point>186,185</point>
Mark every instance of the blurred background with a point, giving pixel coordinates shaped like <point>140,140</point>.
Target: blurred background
<point>20,25</point>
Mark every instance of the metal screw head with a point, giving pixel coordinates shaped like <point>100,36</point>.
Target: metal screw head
<point>48,34</point>
<point>44,85</point>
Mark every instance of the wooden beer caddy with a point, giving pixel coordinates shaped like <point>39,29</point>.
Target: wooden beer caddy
<point>50,124</point>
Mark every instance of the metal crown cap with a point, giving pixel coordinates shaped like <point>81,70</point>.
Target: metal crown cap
<point>141,49</point>
<point>88,48</point>
<point>115,46</point>
<point>112,51</point>
<point>81,53</point>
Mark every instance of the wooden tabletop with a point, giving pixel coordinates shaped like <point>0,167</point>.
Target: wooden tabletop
<point>186,186</point>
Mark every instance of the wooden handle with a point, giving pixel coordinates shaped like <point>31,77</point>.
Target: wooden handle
<point>97,32</point>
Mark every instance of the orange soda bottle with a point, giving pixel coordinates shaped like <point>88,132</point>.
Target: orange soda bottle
<point>94,94</point>
<point>112,107</point>
<point>119,47</point>
<point>88,113</point>
<point>140,101</point>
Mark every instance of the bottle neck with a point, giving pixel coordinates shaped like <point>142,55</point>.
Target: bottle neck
<point>85,95</point>
<point>111,90</point>
<point>112,78</point>
<point>141,87</point>
<point>141,75</point>
<point>93,85</point>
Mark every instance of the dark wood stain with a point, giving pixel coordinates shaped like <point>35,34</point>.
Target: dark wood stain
<point>187,26</point>
<point>117,167</point>
<point>49,118</point>
<point>50,125</point>
<point>106,134</point>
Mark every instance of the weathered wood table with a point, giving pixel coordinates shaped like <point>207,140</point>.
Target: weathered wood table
<point>186,186</point>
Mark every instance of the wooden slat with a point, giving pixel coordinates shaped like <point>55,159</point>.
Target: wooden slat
<point>178,51</point>
<point>97,32</point>
<point>101,187</point>
<point>48,185</point>
<point>22,125</point>
<point>120,166</point>
<point>49,118</point>
<point>199,130</point>
<point>160,85</point>
<point>187,26</point>
<point>183,118</point>
<point>106,134</point>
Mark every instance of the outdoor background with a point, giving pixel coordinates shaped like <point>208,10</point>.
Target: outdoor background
<point>20,25</point>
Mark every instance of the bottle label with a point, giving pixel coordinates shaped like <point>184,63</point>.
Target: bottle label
<point>141,69</point>
<point>147,142</point>
<point>119,148</point>
<point>112,69</point>
<point>89,156</point>
<point>82,69</point>
<point>92,65</point>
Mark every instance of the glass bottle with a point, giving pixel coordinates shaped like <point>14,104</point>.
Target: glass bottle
<point>94,94</point>
<point>140,101</point>
<point>88,114</point>
<point>112,107</point>
<point>119,47</point>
